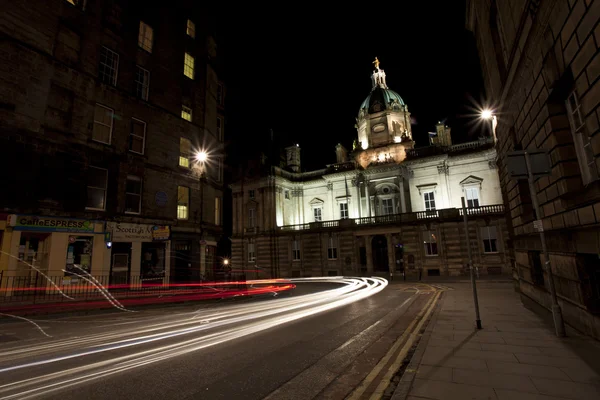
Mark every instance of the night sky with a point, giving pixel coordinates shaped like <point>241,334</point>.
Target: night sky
<point>304,73</point>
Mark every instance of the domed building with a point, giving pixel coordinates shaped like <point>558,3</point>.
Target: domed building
<point>384,208</point>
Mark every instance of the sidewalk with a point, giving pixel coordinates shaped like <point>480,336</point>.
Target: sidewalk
<point>515,356</point>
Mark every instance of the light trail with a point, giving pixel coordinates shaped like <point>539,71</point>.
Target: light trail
<point>129,347</point>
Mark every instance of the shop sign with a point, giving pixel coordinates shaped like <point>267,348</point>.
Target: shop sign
<point>126,232</point>
<point>49,224</point>
<point>161,232</point>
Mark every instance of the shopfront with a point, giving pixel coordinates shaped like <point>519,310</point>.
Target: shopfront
<point>138,255</point>
<point>58,247</point>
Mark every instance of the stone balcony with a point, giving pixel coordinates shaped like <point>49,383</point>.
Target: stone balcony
<point>442,215</point>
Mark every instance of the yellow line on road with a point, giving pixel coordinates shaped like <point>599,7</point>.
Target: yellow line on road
<point>358,392</point>
<point>398,362</point>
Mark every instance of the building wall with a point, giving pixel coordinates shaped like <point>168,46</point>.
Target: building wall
<point>535,56</point>
<point>52,83</point>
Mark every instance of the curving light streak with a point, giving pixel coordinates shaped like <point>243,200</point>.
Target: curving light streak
<point>246,320</point>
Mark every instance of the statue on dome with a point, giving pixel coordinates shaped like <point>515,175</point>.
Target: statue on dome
<point>376,62</point>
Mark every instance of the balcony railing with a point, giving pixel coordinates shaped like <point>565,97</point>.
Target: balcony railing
<point>442,214</point>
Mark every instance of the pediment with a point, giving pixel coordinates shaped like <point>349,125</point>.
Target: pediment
<point>316,202</point>
<point>471,180</point>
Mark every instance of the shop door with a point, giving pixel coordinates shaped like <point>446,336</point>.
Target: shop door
<point>182,253</point>
<point>380,253</point>
<point>120,266</point>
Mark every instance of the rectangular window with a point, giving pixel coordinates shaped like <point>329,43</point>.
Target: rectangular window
<point>185,151</point>
<point>145,37</point>
<point>220,94</point>
<point>103,124</point>
<point>97,183</point>
<point>490,239</point>
<point>188,66</point>
<point>387,206</point>
<point>109,66</point>
<point>142,83</point>
<point>318,214</point>
<point>343,210</point>
<point>251,194</point>
<point>581,140</point>
<point>137,136</point>
<point>332,248</point>
<point>133,195</point>
<point>183,202</point>
<point>186,113</point>
<point>191,29</point>
<point>472,194</point>
<point>430,243</point>
<point>251,251</point>
<point>287,194</point>
<point>296,250</point>
<point>429,201</point>
<point>251,218</point>
<point>217,211</point>
<point>218,170</point>
<point>220,129</point>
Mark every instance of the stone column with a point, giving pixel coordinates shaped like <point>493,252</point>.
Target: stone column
<point>369,248</point>
<point>358,200</point>
<point>391,255</point>
<point>368,198</point>
<point>402,199</point>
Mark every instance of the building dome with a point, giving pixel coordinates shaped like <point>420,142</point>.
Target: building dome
<point>380,99</point>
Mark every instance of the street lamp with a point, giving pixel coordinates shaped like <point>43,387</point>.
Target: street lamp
<point>489,114</point>
<point>201,157</point>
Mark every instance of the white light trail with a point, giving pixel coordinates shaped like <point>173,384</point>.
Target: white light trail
<point>224,324</point>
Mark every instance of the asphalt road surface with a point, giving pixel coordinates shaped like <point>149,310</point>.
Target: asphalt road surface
<point>320,340</point>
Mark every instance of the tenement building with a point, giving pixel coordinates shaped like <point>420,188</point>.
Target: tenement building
<point>540,63</point>
<point>383,208</point>
<point>111,125</point>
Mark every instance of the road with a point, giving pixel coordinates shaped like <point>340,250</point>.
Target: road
<point>326,340</point>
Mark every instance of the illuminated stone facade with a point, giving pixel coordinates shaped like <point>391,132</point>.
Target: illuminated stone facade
<point>380,209</point>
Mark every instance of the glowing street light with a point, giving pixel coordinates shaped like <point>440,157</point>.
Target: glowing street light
<point>486,114</point>
<point>489,114</point>
<point>226,261</point>
<point>201,156</point>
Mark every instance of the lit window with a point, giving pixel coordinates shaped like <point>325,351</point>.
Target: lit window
<point>251,251</point>
<point>103,124</point>
<point>488,235</point>
<point>186,113</point>
<point>343,210</point>
<point>430,243</point>
<point>220,129</point>
<point>581,140</point>
<point>137,136</point>
<point>188,66</point>
<point>217,211</point>
<point>317,213</point>
<point>429,199</point>
<point>296,250</point>
<point>185,150</point>
<point>191,28</point>
<point>97,182</point>
<point>133,195</point>
<point>332,248</point>
<point>472,194</point>
<point>145,37</point>
<point>109,66</point>
<point>183,202</point>
<point>142,83</point>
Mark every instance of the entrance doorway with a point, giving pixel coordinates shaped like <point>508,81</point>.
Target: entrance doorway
<point>380,254</point>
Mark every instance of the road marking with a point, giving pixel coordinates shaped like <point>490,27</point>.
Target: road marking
<point>400,358</point>
<point>358,392</point>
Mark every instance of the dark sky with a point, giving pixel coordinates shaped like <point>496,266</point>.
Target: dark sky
<point>304,72</point>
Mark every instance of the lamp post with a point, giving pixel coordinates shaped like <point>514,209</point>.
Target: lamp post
<point>201,157</point>
<point>489,114</point>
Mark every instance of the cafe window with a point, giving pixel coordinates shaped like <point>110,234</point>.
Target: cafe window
<point>97,182</point>
<point>153,260</point>
<point>133,195</point>
<point>79,255</point>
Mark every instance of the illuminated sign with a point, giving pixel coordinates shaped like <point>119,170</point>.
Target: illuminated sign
<point>49,224</point>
